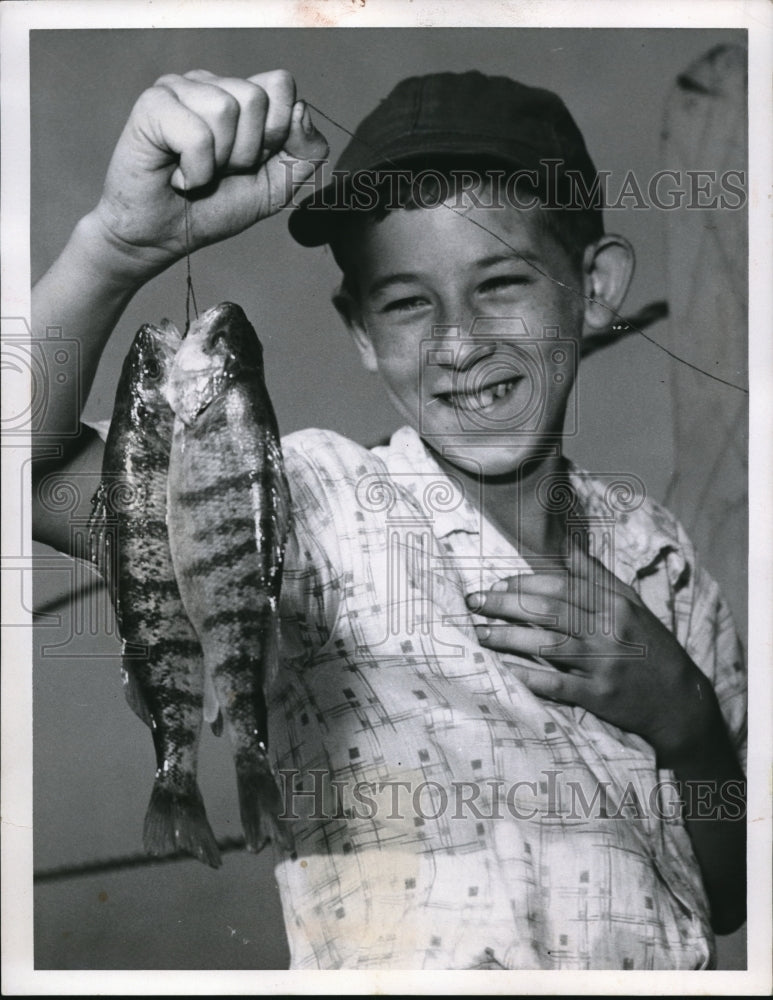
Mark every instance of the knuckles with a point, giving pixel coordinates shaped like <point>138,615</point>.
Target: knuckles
<point>255,99</point>
<point>605,687</point>
<point>283,81</point>
<point>199,74</point>
<point>168,80</point>
<point>149,99</point>
<point>225,108</point>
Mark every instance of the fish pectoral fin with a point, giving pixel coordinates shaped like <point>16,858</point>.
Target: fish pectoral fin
<point>271,646</point>
<point>99,554</point>
<point>217,724</point>
<point>134,695</point>
<point>212,711</point>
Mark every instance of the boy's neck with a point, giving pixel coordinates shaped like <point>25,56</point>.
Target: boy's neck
<point>512,503</point>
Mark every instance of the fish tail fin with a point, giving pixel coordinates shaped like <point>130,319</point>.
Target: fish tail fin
<point>177,821</point>
<point>261,805</point>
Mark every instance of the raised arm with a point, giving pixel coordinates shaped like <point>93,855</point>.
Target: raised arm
<point>239,146</point>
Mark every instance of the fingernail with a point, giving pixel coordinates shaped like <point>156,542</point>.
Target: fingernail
<point>306,122</point>
<point>177,179</point>
<point>500,586</point>
<point>475,601</point>
<point>483,631</point>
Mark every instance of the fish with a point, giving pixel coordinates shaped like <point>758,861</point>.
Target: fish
<point>162,662</point>
<point>229,510</point>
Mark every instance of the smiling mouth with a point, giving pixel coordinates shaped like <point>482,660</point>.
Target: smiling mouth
<point>480,398</point>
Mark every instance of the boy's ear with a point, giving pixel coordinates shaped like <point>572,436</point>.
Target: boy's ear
<point>349,311</point>
<point>608,268</point>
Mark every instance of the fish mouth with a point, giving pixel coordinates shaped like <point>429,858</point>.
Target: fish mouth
<point>228,335</point>
<point>221,313</point>
<point>168,333</point>
<point>156,347</point>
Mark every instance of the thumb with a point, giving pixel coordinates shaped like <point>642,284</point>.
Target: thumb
<point>587,567</point>
<point>305,149</point>
<point>304,140</point>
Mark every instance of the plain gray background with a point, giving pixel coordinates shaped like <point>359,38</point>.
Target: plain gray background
<point>93,760</point>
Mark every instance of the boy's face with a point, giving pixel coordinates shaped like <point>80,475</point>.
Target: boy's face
<point>487,394</point>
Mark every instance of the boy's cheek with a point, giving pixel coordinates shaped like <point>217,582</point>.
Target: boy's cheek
<point>398,352</point>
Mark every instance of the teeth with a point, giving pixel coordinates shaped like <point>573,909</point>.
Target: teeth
<point>480,400</point>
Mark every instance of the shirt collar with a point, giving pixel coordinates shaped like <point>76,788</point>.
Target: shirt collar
<point>442,494</point>
<point>645,534</point>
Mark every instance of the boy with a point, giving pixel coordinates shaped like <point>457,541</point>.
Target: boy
<point>494,675</point>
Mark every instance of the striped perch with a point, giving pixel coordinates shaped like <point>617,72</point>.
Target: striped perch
<point>229,510</point>
<point>162,664</point>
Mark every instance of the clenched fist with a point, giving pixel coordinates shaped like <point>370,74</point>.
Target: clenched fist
<point>236,147</point>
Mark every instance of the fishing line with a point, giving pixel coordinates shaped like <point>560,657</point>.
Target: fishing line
<point>613,313</point>
<point>190,295</point>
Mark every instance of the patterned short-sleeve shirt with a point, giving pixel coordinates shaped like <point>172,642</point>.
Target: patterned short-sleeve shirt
<point>445,817</point>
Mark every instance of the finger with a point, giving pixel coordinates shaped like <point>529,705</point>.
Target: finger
<point>249,139</point>
<point>603,588</point>
<point>304,140</point>
<point>547,610</point>
<point>279,87</point>
<point>547,682</point>
<point>550,582</point>
<point>530,641</point>
<point>556,586</point>
<point>539,611</point>
<point>304,150</point>
<point>218,109</point>
<point>172,132</point>
<point>584,562</point>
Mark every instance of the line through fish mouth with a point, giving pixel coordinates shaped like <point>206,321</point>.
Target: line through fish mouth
<point>204,407</point>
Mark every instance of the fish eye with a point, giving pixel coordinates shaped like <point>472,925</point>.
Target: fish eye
<point>153,368</point>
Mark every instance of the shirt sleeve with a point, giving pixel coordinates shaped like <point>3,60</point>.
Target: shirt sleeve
<point>709,635</point>
<point>315,572</point>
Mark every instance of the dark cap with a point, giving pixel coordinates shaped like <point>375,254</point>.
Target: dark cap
<point>447,115</point>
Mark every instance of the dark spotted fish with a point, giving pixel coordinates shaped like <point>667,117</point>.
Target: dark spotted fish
<point>162,662</point>
<point>228,517</point>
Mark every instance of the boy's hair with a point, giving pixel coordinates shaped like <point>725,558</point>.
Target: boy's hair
<point>454,183</point>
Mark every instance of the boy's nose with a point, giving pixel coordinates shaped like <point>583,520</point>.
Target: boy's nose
<point>469,352</point>
<point>460,347</point>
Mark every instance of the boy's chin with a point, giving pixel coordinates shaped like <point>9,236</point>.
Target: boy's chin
<point>493,459</point>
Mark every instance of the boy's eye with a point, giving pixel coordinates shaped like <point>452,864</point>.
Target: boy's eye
<point>405,304</point>
<point>503,282</point>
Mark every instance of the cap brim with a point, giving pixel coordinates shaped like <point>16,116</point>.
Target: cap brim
<point>314,222</point>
